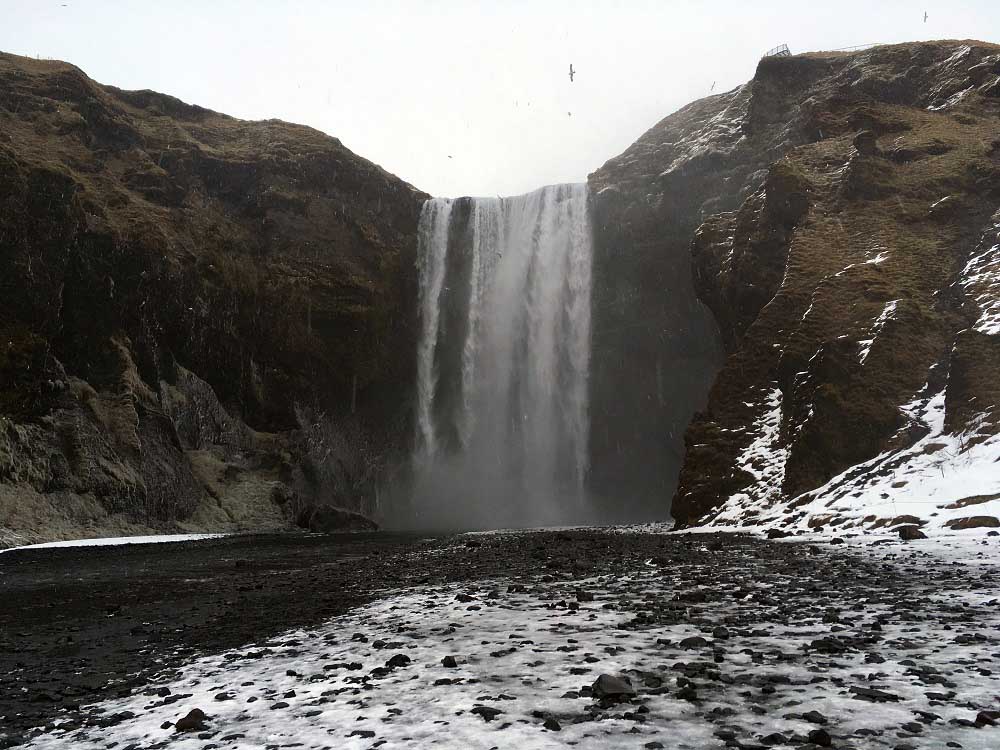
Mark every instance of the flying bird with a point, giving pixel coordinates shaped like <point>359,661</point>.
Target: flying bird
<point>571,72</point>
<point>925,16</point>
<point>713,86</point>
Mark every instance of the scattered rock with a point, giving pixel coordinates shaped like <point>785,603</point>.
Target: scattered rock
<point>610,686</point>
<point>873,695</point>
<point>820,737</point>
<point>910,533</point>
<point>193,721</point>
<point>326,519</point>
<point>695,641</point>
<point>398,660</point>
<point>988,718</point>
<point>814,717</point>
<point>487,713</point>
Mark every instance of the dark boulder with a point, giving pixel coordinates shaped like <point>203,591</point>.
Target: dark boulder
<point>695,641</point>
<point>194,721</point>
<point>486,713</point>
<point>327,519</point>
<point>909,533</point>
<point>874,695</point>
<point>820,737</point>
<point>608,686</point>
<point>398,660</point>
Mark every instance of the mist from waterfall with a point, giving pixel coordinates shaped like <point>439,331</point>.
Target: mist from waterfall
<point>503,361</point>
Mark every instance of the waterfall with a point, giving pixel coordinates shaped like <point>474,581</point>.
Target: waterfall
<point>502,361</point>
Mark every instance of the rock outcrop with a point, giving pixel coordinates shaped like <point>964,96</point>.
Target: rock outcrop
<point>204,322</point>
<point>846,239</point>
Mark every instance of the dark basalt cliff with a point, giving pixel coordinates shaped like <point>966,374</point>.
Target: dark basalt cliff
<point>205,323</point>
<point>840,211</point>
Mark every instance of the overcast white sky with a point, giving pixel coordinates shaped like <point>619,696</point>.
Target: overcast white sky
<point>410,84</point>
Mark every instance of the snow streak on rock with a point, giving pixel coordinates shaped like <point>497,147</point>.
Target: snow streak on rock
<point>719,134</point>
<point>885,315</point>
<point>939,480</point>
<point>951,69</point>
<point>981,281</point>
<point>764,458</point>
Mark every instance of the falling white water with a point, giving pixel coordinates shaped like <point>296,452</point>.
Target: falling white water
<point>503,360</point>
<point>433,232</point>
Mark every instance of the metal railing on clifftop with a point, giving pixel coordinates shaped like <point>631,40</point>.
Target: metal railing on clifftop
<point>780,51</point>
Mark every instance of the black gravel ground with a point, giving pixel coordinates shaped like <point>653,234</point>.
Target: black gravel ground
<point>85,624</point>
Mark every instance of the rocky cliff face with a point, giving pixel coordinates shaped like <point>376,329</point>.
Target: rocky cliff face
<point>846,241</point>
<point>204,322</point>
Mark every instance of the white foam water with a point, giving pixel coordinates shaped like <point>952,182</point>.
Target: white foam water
<point>503,360</point>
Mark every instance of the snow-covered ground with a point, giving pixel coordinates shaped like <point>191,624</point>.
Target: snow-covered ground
<point>117,540</point>
<point>879,646</point>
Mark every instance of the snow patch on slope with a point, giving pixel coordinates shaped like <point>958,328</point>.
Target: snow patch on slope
<point>941,478</point>
<point>764,458</point>
<point>981,281</point>
<point>951,73</point>
<point>721,132</point>
<point>866,344</point>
